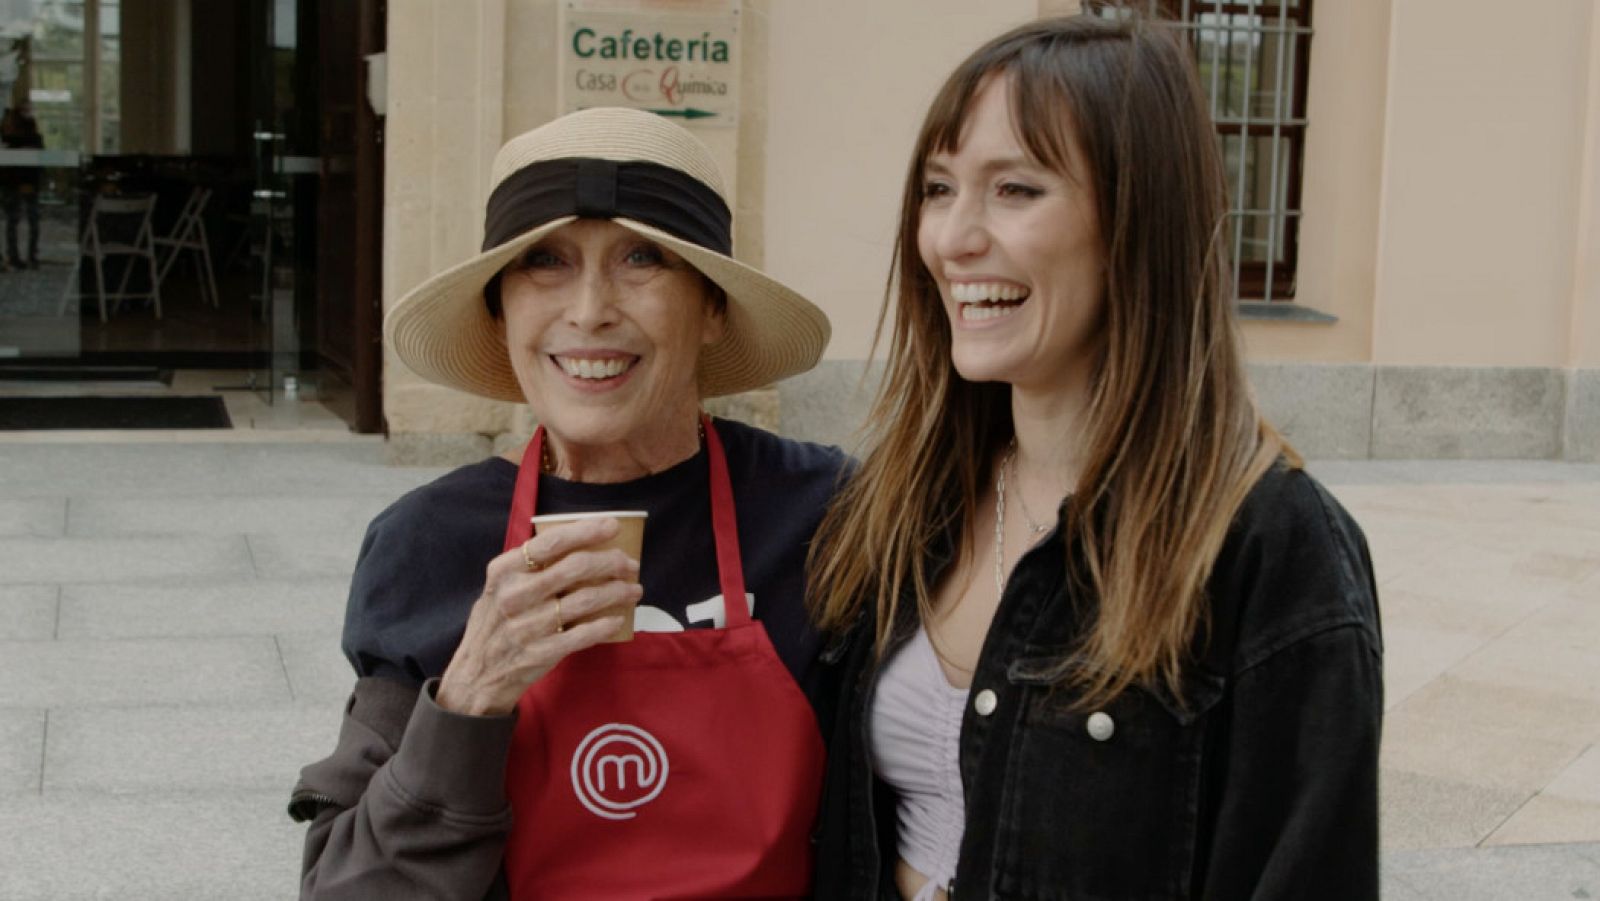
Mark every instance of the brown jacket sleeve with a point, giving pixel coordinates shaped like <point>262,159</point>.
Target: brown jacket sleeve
<point>411,804</point>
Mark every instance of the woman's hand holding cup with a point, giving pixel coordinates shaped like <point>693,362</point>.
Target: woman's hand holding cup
<point>564,590</point>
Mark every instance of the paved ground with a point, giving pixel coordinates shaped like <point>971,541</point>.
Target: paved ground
<point>1489,581</point>
<point>169,617</point>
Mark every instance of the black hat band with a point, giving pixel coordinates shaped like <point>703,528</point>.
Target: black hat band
<point>669,199</point>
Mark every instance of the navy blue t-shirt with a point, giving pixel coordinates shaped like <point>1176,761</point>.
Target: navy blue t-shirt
<point>422,562</point>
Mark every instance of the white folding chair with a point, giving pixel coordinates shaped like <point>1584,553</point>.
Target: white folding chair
<point>189,233</point>
<point>112,220</point>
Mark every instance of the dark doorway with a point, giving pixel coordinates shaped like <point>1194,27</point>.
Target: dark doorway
<point>350,213</point>
<point>247,126</point>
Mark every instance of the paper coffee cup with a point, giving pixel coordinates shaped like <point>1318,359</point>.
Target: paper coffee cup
<point>629,539</point>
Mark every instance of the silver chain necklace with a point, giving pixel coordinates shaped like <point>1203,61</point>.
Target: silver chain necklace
<point>1000,520</point>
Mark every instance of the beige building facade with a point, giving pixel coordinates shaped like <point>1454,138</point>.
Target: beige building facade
<point>1450,195</point>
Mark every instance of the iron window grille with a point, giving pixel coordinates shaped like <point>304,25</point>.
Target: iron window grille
<point>1253,57</point>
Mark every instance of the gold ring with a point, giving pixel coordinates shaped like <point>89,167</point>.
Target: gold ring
<point>532,565</point>
<point>559,626</point>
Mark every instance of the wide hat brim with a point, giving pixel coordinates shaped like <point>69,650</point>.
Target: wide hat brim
<point>442,329</point>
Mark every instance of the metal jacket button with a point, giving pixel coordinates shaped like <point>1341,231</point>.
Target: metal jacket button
<point>985,702</point>
<point>1101,726</point>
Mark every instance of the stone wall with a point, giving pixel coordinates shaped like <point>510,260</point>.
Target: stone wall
<point>1328,411</point>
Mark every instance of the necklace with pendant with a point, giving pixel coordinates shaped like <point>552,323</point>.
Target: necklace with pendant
<point>1000,518</point>
<point>1036,528</point>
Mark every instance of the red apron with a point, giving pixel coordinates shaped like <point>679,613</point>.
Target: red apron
<point>676,765</point>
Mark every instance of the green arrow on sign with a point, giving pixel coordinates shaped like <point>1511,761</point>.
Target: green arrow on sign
<point>690,113</point>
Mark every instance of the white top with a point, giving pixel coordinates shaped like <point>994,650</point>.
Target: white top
<point>914,734</point>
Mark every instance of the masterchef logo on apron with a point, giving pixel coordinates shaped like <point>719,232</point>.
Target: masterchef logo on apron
<point>616,768</point>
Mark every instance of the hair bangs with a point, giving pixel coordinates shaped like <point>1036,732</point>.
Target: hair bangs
<point>947,117</point>
<point>1043,112</point>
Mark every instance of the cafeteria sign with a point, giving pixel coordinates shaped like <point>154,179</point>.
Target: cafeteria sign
<point>681,65</point>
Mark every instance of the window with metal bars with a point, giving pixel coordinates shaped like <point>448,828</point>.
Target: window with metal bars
<point>1253,57</point>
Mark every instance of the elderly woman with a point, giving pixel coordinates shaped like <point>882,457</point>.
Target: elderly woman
<point>496,742</point>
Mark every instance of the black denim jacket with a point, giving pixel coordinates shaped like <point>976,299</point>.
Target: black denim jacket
<point>1260,783</point>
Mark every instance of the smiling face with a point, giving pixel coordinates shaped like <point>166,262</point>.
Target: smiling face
<point>1016,252</point>
<point>605,329</point>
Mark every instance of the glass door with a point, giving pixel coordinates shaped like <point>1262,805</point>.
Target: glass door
<point>188,105</point>
<point>47,126</point>
<point>284,197</point>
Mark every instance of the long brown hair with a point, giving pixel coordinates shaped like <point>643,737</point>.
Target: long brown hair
<point>1173,439</point>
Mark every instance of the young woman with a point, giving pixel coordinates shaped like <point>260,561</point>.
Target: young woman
<point>1100,636</point>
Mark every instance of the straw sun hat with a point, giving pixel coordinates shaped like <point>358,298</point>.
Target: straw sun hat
<point>646,174</point>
